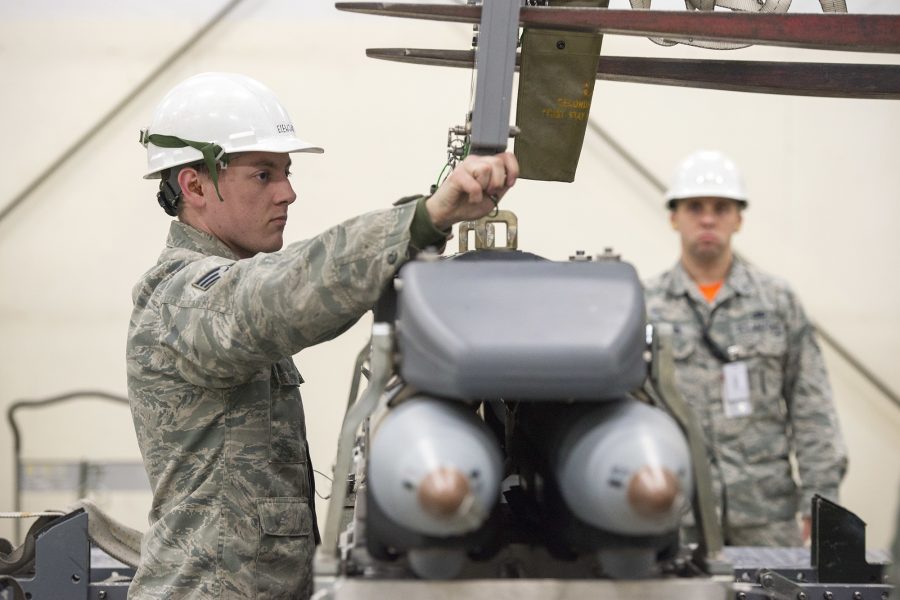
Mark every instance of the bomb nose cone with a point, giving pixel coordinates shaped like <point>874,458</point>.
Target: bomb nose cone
<point>652,491</point>
<point>442,492</point>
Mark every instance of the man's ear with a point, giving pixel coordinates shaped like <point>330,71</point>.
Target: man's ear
<point>672,217</point>
<point>191,187</point>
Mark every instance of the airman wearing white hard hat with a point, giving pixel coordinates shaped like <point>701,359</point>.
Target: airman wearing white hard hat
<point>747,361</point>
<point>214,391</point>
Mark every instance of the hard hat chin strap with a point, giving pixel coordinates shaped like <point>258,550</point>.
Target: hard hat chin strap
<point>213,154</point>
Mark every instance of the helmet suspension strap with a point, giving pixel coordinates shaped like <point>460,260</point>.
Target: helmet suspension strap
<point>213,154</point>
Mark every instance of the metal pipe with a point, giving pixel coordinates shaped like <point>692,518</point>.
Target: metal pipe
<point>382,368</point>
<point>17,438</point>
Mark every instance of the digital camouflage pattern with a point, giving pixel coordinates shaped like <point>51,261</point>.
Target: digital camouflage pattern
<point>775,533</point>
<point>792,409</point>
<point>216,403</point>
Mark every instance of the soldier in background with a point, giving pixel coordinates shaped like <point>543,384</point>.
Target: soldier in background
<point>747,362</point>
<point>214,391</point>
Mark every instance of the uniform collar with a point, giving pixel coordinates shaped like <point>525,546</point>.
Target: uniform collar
<point>737,281</point>
<point>182,235</point>
<point>739,278</point>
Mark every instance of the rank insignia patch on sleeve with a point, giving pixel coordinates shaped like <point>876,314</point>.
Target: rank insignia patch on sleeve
<point>206,281</point>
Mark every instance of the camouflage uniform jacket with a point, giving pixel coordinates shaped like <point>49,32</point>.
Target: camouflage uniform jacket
<point>216,402</point>
<point>792,409</point>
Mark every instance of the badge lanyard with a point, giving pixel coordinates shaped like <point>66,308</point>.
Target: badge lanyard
<point>735,376</point>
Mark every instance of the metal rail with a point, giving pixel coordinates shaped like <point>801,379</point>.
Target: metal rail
<point>849,32</point>
<point>827,80</point>
<point>17,437</point>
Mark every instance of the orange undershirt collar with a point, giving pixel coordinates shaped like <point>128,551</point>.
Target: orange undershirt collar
<point>710,290</point>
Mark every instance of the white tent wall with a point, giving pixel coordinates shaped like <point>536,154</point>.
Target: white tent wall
<point>822,174</point>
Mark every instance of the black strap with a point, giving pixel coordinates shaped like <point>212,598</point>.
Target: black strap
<point>716,350</point>
<point>168,197</point>
<point>20,560</point>
<point>723,356</point>
<point>311,481</point>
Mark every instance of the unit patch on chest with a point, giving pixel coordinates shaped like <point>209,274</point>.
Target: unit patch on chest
<point>759,323</point>
<point>207,280</point>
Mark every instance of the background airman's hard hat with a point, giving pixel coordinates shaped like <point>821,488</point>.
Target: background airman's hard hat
<point>706,174</point>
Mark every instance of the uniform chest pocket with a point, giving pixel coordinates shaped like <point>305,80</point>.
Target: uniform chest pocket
<point>761,334</point>
<point>762,337</point>
<point>684,342</point>
<point>287,427</point>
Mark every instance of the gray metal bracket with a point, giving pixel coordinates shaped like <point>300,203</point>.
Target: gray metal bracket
<point>709,555</point>
<point>381,361</point>
<point>62,560</point>
<point>62,565</point>
<point>495,61</point>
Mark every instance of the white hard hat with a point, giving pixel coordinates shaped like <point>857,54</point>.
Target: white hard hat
<point>706,174</point>
<point>211,115</point>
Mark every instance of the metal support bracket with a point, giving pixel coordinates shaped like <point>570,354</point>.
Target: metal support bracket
<point>484,231</point>
<point>381,362</point>
<point>495,60</point>
<point>709,555</point>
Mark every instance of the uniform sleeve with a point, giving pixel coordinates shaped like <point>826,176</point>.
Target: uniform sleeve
<point>818,443</point>
<point>224,320</point>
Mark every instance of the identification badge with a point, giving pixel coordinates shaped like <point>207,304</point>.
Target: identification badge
<point>736,389</point>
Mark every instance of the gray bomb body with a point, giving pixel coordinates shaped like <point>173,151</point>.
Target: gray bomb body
<point>434,468</point>
<point>623,467</point>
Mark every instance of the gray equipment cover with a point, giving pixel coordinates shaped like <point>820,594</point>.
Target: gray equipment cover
<point>521,329</point>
